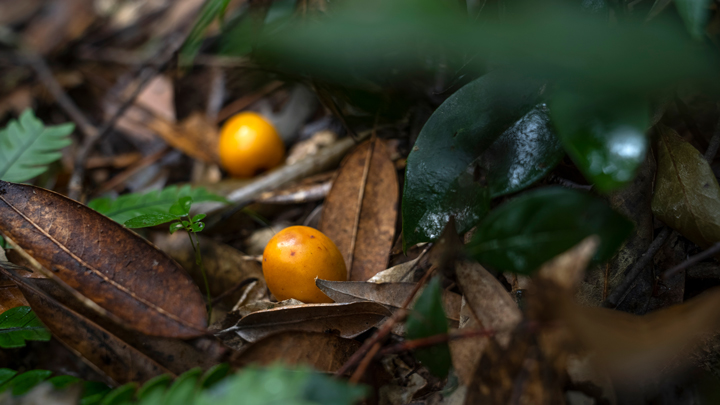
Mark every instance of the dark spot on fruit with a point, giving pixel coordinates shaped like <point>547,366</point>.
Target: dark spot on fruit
<point>265,258</point>
<point>312,236</point>
<point>292,253</point>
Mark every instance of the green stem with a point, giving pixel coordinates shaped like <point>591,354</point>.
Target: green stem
<point>199,262</point>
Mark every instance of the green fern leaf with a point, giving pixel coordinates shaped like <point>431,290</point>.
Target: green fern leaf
<point>18,325</point>
<point>27,147</point>
<point>133,205</point>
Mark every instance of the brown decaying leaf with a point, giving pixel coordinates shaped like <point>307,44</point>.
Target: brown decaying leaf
<point>401,272</point>
<point>105,262</point>
<point>345,320</point>
<point>62,21</point>
<point>389,294</point>
<point>119,361</point>
<point>196,136</point>
<point>226,267</point>
<point>321,351</point>
<point>488,305</point>
<point>174,354</point>
<point>687,194</point>
<point>360,211</point>
<point>10,297</point>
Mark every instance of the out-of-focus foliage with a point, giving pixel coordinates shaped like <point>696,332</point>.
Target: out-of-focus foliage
<point>426,319</point>
<point>18,325</point>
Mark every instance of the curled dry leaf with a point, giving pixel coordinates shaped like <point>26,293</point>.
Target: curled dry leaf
<point>345,320</point>
<point>388,294</point>
<point>360,210</point>
<point>102,260</point>
<point>116,359</point>
<point>687,194</point>
<point>396,274</point>
<point>321,351</point>
<point>196,136</point>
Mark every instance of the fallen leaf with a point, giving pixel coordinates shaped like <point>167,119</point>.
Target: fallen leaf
<point>360,210</point>
<point>225,266</point>
<point>102,260</point>
<point>687,194</point>
<point>118,360</point>
<point>154,103</point>
<point>196,136</point>
<point>321,351</point>
<point>345,320</point>
<point>401,272</point>
<point>62,21</point>
<point>389,294</point>
<point>466,352</point>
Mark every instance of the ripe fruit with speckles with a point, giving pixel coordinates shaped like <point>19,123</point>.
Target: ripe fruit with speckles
<point>294,257</point>
<point>249,145</point>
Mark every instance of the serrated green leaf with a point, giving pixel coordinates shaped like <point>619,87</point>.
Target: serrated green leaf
<point>695,15</point>
<point>531,229</point>
<point>443,178</point>
<point>20,324</point>
<point>687,194</point>
<point>27,147</point>
<point>604,135</point>
<point>129,206</point>
<point>144,221</point>
<point>426,319</point>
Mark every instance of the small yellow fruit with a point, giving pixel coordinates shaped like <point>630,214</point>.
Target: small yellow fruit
<point>249,145</point>
<point>294,257</point>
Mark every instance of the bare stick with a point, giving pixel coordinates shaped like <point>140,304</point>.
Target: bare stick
<point>706,254</point>
<point>620,291</point>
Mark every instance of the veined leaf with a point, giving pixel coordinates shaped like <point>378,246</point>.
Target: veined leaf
<point>18,325</point>
<point>531,229</point>
<point>133,205</point>
<point>27,147</point>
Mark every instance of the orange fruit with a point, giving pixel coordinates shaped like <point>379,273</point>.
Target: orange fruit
<point>249,145</point>
<point>294,257</point>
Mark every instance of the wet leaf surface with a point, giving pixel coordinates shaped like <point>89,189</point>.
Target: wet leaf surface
<point>360,210</point>
<point>604,136</point>
<point>687,194</point>
<point>427,318</point>
<point>102,260</point>
<point>442,178</point>
<point>321,351</point>
<point>345,320</point>
<point>115,358</point>
<point>531,229</point>
<point>389,294</point>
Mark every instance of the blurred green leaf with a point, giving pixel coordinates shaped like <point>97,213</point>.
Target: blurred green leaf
<point>120,395</point>
<point>22,383</point>
<point>443,178</point>
<point>605,136</point>
<point>695,14</point>
<point>144,221</point>
<point>63,381</point>
<point>181,207</point>
<point>531,229</point>
<point>20,324</point>
<point>27,147</point>
<point>426,319</point>
<point>133,205</point>
<point>523,154</point>
<point>211,10</point>
<point>687,194</point>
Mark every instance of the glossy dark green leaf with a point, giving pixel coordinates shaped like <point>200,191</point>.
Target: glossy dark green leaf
<point>426,319</point>
<point>604,135</point>
<point>144,221</point>
<point>533,228</point>
<point>687,194</point>
<point>18,325</point>
<point>695,14</point>
<point>443,178</point>
<point>523,154</point>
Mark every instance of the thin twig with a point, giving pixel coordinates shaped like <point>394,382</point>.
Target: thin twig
<point>384,330</point>
<point>706,254</point>
<point>436,340</point>
<point>712,149</point>
<point>621,290</point>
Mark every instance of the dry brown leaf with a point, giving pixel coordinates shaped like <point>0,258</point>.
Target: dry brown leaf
<point>466,352</point>
<point>568,269</point>
<point>119,361</point>
<point>321,351</point>
<point>107,263</point>
<point>687,194</point>
<point>360,211</point>
<point>226,267</point>
<point>396,274</point>
<point>61,22</point>
<point>196,136</point>
<point>155,102</point>
<point>345,320</point>
<point>389,294</point>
